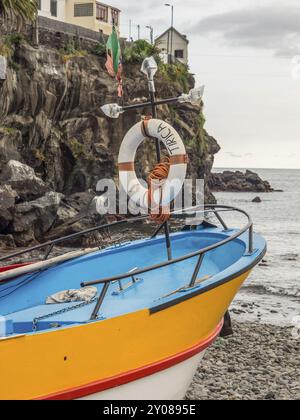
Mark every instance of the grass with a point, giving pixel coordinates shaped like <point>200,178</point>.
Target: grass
<point>7,130</point>
<point>77,148</point>
<point>39,155</point>
<point>71,50</point>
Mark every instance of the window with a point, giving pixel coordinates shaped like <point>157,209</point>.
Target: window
<point>179,54</point>
<point>115,16</point>
<point>101,12</point>
<point>83,9</point>
<point>39,4</point>
<point>53,8</point>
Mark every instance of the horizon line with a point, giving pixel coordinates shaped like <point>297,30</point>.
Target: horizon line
<point>255,168</point>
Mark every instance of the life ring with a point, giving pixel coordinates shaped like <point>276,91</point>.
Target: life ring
<point>164,132</point>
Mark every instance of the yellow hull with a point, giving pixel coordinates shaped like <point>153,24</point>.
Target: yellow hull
<point>48,364</point>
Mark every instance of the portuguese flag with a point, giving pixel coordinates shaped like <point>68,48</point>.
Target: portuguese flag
<point>114,59</point>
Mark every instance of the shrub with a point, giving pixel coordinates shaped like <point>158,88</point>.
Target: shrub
<point>178,73</point>
<point>9,42</point>
<point>139,50</point>
<point>100,50</point>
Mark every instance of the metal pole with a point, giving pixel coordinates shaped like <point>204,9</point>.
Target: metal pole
<point>221,220</point>
<point>251,234</point>
<point>100,301</point>
<point>158,155</point>
<point>144,104</point>
<point>172,25</point>
<point>168,50</point>
<point>151,34</point>
<point>130,30</point>
<point>139,32</point>
<point>196,271</point>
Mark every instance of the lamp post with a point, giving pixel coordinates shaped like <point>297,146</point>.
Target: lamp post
<point>172,25</point>
<point>151,33</point>
<point>139,31</point>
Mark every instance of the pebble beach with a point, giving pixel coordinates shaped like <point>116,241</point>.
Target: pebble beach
<point>259,362</point>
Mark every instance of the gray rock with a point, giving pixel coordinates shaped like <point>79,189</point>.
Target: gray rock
<point>33,219</point>
<point>10,145</point>
<point>23,179</point>
<point>3,67</point>
<point>7,241</point>
<point>238,182</point>
<point>7,202</point>
<point>256,200</point>
<point>260,362</point>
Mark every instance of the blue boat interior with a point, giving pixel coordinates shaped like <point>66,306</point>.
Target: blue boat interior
<point>23,308</point>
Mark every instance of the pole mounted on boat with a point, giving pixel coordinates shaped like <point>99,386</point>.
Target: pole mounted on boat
<point>149,68</point>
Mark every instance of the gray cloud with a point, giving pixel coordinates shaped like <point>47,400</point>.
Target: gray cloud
<point>273,28</point>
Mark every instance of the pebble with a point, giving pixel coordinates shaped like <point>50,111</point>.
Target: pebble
<point>259,362</point>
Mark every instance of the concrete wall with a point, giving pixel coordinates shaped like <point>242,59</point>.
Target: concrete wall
<point>56,34</point>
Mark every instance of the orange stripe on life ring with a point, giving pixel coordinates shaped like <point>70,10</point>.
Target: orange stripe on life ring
<point>127,167</point>
<point>179,159</point>
<point>144,126</point>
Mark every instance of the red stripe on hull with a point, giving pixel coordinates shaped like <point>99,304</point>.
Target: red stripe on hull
<point>12,267</point>
<point>135,374</point>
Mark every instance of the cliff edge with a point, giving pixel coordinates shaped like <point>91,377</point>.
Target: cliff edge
<point>55,142</point>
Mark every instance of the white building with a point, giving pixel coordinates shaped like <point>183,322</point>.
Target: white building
<point>90,14</point>
<point>55,9</point>
<point>174,44</point>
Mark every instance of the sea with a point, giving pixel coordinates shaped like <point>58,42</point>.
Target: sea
<point>272,293</point>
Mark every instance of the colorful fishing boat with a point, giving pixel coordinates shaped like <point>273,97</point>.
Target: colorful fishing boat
<point>131,321</point>
<point>143,334</point>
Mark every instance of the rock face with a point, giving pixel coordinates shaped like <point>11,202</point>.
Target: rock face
<point>56,143</point>
<point>238,182</point>
<point>23,180</point>
<point>3,68</point>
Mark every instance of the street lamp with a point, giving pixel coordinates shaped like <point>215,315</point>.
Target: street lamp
<point>151,33</point>
<point>172,25</point>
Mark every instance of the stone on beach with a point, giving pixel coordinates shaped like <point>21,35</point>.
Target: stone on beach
<point>260,362</point>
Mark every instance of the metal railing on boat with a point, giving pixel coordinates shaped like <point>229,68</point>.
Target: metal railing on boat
<point>182,214</point>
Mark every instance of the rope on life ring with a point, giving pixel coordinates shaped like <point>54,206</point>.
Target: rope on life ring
<point>158,174</point>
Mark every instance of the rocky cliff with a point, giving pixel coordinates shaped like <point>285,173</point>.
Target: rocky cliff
<point>238,181</point>
<point>55,142</point>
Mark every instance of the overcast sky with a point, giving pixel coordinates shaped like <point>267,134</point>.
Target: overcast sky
<point>247,53</point>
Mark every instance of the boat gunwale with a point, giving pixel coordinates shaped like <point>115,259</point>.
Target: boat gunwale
<point>179,214</point>
<point>200,252</point>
